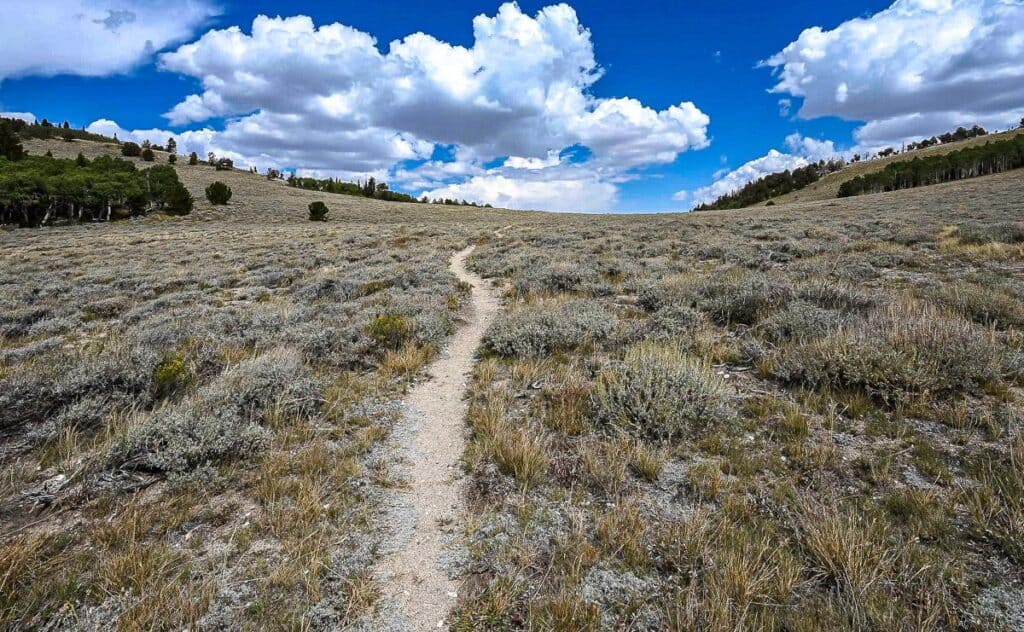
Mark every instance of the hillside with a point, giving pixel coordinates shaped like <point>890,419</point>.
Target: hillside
<point>828,187</point>
<point>803,417</point>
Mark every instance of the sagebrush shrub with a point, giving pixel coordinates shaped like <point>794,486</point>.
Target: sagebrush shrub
<point>218,193</point>
<point>533,332</point>
<point>224,419</point>
<point>733,297</point>
<point>1001,232</point>
<point>561,277</point>
<point>799,321</point>
<point>898,352</point>
<point>118,374</point>
<point>659,392</point>
<point>987,306</point>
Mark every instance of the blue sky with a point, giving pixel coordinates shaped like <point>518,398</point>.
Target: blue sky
<point>658,53</point>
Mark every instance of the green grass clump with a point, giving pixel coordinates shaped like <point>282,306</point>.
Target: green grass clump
<point>391,331</point>
<point>173,373</point>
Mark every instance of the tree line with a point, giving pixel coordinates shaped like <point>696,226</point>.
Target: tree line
<point>773,185</point>
<point>970,162</point>
<point>370,189</point>
<point>37,190</point>
<point>45,130</point>
<point>960,133</point>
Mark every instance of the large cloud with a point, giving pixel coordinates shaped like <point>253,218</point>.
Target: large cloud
<point>328,101</point>
<point>915,69</point>
<point>91,37</point>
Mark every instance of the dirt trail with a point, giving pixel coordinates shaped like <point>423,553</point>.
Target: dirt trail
<point>419,593</point>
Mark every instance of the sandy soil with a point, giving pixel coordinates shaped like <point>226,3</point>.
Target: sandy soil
<point>419,591</point>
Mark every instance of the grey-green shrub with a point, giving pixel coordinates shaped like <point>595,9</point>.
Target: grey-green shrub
<point>975,302</point>
<point>732,297</point>
<point>659,392</point>
<point>799,321</point>
<point>533,332</point>
<point>223,420</point>
<point>899,351</point>
<point>1001,232</point>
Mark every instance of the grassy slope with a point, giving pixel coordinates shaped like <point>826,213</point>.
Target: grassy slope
<point>828,187</point>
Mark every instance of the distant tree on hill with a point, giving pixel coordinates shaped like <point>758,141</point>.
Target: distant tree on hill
<point>172,159</point>
<point>211,157</point>
<point>81,160</point>
<point>1022,123</point>
<point>193,159</point>
<point>172,145</point>
<point>10,146</point>
<point>179,200</point>
<point>147,155</point>
<point>273,174</point>
<point>131,150</point>
<point>67,125</point>
<point>218,193</point>
<point>225,164</point>
<point>318,212</point>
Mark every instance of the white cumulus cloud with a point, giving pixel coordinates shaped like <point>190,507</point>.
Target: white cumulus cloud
<point>28,117</point>
<point>580,191</point>
<point>330,99</point>
<point>92,37</point>
<point>918,68</point>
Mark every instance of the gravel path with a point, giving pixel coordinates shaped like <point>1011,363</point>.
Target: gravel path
<point>419,592</point>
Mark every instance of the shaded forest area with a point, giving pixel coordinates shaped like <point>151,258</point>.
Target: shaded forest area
<point>37,190</point>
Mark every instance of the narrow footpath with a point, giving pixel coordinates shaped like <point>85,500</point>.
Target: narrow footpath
<point>419,593</point>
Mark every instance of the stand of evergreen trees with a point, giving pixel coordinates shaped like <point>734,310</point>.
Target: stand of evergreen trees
<point>36,190</point>
<point>371,188</point>
<point>45,129</point>
<point>961,164</point>
<point>773,185</point>
<point>960,133</point>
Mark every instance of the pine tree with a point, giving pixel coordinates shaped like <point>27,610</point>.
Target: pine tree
<point>10,146</point>
<point>172,145</point>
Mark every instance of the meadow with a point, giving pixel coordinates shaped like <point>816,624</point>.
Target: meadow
<point>800,417</point>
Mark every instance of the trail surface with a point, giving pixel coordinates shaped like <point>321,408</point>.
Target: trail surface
<point>419,592</point>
